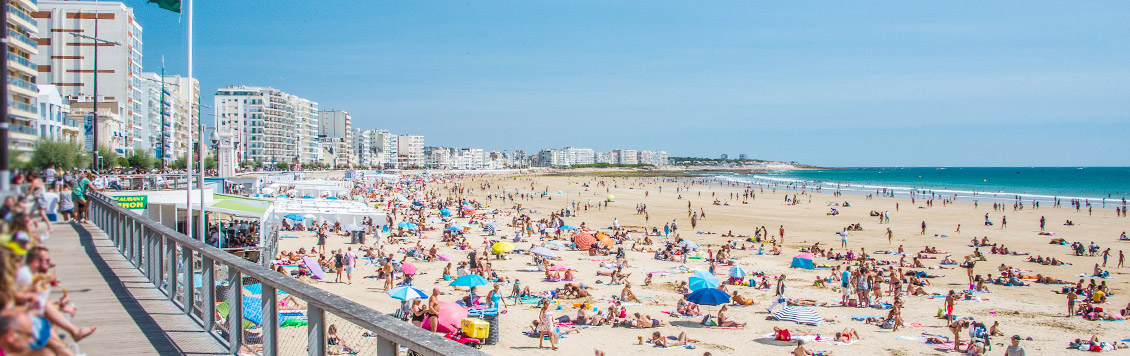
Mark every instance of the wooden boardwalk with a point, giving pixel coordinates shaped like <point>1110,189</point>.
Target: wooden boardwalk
<point>133,317</point>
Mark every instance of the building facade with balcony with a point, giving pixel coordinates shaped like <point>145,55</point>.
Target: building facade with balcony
<point>54,122</point>
<point>410,151</point>
<point>22,78</point>
<point>265,125</point>
<point>67,61</point>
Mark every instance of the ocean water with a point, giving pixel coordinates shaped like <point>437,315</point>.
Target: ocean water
<point>968,183</point>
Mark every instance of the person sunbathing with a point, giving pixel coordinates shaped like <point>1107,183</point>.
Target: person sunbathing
<point>657,339</point>
<point>685,307</point>
<point>626,294</point>
<point>723,321</point>
<point>683,288</point>
<point>786,335</point>
<point>802,302</point>
<point>847,336</point>
<point>738,299</point>
<point>800,350</point>
<point>645,321</point>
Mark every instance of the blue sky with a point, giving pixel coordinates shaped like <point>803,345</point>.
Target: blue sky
<point>828,83</point>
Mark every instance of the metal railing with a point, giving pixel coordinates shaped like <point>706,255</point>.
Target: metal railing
<point>134,182</point>
<point>173,262</point>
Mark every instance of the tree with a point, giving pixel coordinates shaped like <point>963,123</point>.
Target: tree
<point>282,166</point>
<point>64,155</point>
<point>110,158</point>
<point>141,160</point>
<point>209,163</point>
<point>179,163</point>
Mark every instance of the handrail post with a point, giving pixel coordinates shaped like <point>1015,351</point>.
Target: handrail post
<point>270,320</point>
<point>171,262</point>
<point>316,330</point>
<point>235,310</point>
<point>189,279</point>
<point>137,244</point>
<point>386,347</point>
<point>207,273</point>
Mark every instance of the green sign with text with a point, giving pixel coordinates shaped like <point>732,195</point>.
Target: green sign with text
<point>133,201</point>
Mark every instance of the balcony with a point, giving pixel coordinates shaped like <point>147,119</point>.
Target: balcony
<point>20,83</point>
<point>30,46</point>
<point>23,19</point>
<point>23,62</point>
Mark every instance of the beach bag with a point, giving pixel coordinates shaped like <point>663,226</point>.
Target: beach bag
<point>707,320</point>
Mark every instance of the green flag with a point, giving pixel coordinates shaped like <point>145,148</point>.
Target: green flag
<point>171,5</point>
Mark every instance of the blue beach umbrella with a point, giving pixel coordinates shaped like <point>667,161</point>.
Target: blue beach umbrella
<point>294,216</point>
<point>406,293</point>
<point>737,272</point>
<point>407,225</point>
<point>444,212</point>
<point>701,280</point>
<point>470,280</point>
<point>419,204</point>
<point>708,296</point>
<point>307,197</point>
<point>567,227</point>
<point>452,228</point>
<point>283,196</point>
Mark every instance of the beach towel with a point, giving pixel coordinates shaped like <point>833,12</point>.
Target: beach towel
<point>838,343</point>
<point>288,237</point>
<point>864,317</point>
<point>315,269</point>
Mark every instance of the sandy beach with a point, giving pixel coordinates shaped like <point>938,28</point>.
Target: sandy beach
<point>1034,311</point>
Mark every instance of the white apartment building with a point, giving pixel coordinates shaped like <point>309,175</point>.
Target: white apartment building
<point>268,125</point>
<point>607,157</point>
<point>67,61</point>
<point>655,158</point>
<point>22,73</point>
<point>574,156</point>
<point>183,99</point>
<point>627,156</point>
<point>410,150</point>
<point>53,123</point>
<point>306,123</point>
<point>336,124</point>
<point>362,147</point>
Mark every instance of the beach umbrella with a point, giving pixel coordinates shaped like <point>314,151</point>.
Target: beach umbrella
<point>800,315</point>
<point>470,280</point>
<point>450,315</point>
<point>494,225</point>
<point>604,239</point>
<point>283,196</point>
<point>452,228</point>
<point>295,217</point>
<point>419,204</point>
<point>737,272</point>
<point>708,296</point>
<point>583,240</point>
<point>489,228</point>
<point>702,280</point>
<point>610,197</point>
<point>567,227</point>
<point>435,220</point>
<point>803,260</point>
<point>444,212</point>
<point>543,252</point>
<point>406,293</point>
<point>407,225</point>
<point>409,269</point>
<point>307,197</point>
<point>689,244</point>
<point>311,216</point>
<point>501,247</point>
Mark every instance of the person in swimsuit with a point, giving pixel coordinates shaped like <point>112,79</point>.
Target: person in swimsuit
<point>418,312</point>
<point>433,309</point>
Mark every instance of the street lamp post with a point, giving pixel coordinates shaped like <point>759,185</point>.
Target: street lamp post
<point>94,102</point>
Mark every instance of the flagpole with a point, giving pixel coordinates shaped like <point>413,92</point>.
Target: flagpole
<point>188,160</point>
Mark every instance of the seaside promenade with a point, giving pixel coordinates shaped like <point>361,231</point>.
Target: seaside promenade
<point>133,316</point>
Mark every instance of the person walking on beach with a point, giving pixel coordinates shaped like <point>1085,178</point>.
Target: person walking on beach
<point>350,263</point>
<point>779,298</point>
<point>1106,255</point>
<point>782,234</point>
<point>666,229</point>
<point>923,228</point>
<point>1004,222</point>
<point>1121,258</point>
<point>890,236</point>
<point>949,306</point>
<point>1043,222</point>
<point>386,270</point>
<point>1071,297</point>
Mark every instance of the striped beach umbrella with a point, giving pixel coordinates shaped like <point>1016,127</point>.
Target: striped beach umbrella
<point>800,315</point>
<point>737,272</point>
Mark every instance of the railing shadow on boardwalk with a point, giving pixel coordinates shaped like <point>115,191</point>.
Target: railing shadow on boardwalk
<point>154,334</point>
